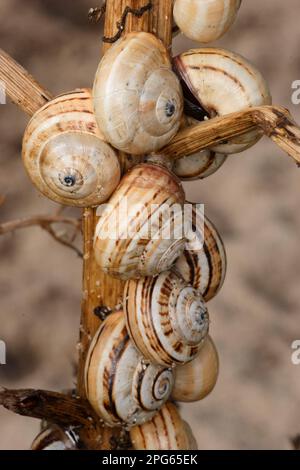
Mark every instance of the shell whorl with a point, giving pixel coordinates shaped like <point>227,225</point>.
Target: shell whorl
<point>203,263</point>
<point>54,437</point>
<point>122,387</point>
<point>166,431</point>
<point>205,20</point>
<point>166,318</point>
<point>132,237</point>
<point>137,97</point>
<point>223,82</point>
<point>65,154</point>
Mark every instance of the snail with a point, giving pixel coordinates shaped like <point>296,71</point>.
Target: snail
<point>140,231</point>
<point>137,98</point>
<point>121,386</point>
<point>218,82</point>
<point>54,437</point>
<point>205,20</point>
<point>166,431</point>
<point>203,263</point>
<point>65,154</point>
<point>199,165</point>
<point>166,318</point>
<point>195,380</point>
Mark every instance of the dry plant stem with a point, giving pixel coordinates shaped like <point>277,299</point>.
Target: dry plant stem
<point>20,86</point>
<point>98,288</point>
<point>274,121</point>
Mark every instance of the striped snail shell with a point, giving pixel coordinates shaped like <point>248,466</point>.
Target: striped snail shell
<point>65,154</point>
<point>121,386</point>
<point>54,437</point>
<point>205,20</point>
<point>166,431</point>
<point>140,231</point>
<point>137,97</point>
<point>166,318</point>
<point>195,380</point>
<point>203,263</point>
<point>199,165</point>
<point>223,82</point>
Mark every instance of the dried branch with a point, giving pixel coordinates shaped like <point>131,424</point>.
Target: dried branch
<point>46,222</point>
<point>95,15</point>
<point>295,441</point>
<point>276,123</point>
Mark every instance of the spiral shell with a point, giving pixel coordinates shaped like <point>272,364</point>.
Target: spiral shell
<point>166,431</point>
<point>54,437</point>
<point>223,82</point>
<point>195,380</point>
<point>205,20</point>
<point>166,318</point>
<point>203,263</point>
<point>137,98</point>
<point>141,230</point>
<point>121,386</point>
<point>65,154</point>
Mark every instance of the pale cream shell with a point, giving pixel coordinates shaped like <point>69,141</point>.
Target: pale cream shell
<point>54,437</point>
<point>137,98</point>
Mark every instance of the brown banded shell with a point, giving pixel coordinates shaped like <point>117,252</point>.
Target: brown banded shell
<point>54,437</point>
<point>65,154</point>
<point>203,263</point>
<point>205,20</point>
<point>223,82</point>
<point>195,380</point>
<point>166,318</point>
<point>121,386</point>
<point>141,231</point>
<point>166,431</point>
<point>137,97</point>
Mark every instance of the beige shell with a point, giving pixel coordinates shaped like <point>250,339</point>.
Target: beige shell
<point>166,431</point>
<point>199,165</point>
<point>121,386</point>
<point>132,237</point>
<point>166,318</point>
<point>137,97</point>
<point>195,380</point>
<point>54,437</point>
<point>205,20</point>
<point>223,82</point>
<point>65,154</point>
<point>203,263</point>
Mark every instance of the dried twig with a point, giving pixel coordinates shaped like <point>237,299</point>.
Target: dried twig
<point>295,441</point>
<point>95,15</point>
<point>46,222</point>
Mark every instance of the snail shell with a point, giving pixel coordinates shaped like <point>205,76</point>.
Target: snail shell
<point>195,380</point>
<point>65,154</point>
<point>166,318</point>
<point>199,165</point>
<point>223,82</point>
<point>203,263</point>
<point>54,437</point>
<point>140,231</point>
<point>120,385</point>
<point>137,97</point>
<point>205,20</point>
<point>166,431</point>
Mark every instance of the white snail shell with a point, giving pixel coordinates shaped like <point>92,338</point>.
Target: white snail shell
<point>223,82</point>
<point>203,263</point>
<point>199,165</point>
<point>205,20</point>
<point>132,239</point>
<point>121,386</point>
<point>195,380</point>
<point>54,437</point>
<point>65,154</point>
<point>166,318</point>
<point>137,97</point>
<point>166,431</point>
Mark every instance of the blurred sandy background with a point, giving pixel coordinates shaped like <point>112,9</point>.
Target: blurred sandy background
<point>253,200</point>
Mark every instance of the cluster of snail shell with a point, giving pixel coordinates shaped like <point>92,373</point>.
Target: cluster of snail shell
<point>157,350</point>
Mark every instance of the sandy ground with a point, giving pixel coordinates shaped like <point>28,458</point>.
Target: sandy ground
<point>253,200</point>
